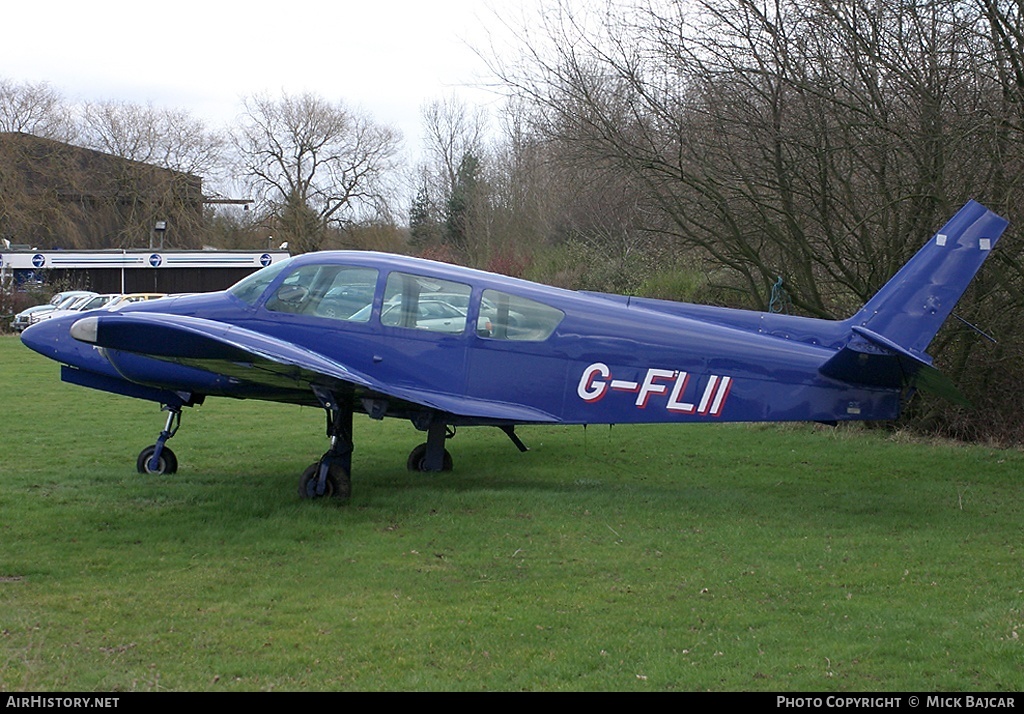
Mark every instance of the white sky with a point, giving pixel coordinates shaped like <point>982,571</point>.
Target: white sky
<point>387,57</point>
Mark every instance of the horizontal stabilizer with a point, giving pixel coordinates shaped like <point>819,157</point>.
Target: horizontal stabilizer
<point>874,360</point>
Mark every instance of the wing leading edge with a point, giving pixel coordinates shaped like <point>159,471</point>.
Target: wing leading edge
<point>258,359</point>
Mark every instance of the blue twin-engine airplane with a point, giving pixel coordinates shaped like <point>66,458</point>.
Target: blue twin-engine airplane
<point>445,346</point>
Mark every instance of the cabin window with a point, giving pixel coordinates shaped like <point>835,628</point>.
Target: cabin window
<point>252,286</point>
<point>517,318</point>
<point>336,292</point>
<point>424,303</point>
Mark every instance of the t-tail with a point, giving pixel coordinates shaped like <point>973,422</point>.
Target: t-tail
<point>890,334</point>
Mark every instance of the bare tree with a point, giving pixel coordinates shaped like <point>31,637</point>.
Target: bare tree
<point>527,195</point>
<point>818,141</point>
<point>452,130</point>
<point>39,110</point>
<point>314,164</point>
<point>35,173</point>
<point>779,138</point>
<point>36,109</point>
<point>169,138</point>
<point>448,182</point>
<point>166,153</point>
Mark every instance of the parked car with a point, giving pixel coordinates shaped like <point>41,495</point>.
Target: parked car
<point>121,300</point>
<point>62,299</point>
<point>433,315</point>
<point>342,302</point>
<point>487,308</point>
<point>83,304</point>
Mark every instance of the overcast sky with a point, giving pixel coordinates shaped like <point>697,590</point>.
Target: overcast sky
<point>385,56</point>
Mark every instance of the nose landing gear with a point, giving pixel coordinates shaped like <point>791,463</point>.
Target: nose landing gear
<point>158,459</point>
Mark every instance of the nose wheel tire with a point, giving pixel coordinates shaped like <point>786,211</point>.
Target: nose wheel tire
<point>337,484</point>
<point>167,463</point>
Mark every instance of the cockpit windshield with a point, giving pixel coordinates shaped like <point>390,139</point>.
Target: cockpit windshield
<point>252,286</point>
<point>328,290</point>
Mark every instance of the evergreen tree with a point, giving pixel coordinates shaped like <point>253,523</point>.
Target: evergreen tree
<point>461,204</point>
<point>424,230</point>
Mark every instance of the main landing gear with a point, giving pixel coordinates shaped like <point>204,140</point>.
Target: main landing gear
<point>432,456</point>
<point>331,476</point>
<point>327,478</point>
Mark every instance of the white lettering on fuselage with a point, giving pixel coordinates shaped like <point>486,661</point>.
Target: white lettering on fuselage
<point>596,381</point>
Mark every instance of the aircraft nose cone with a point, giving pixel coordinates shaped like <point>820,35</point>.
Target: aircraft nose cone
<point>46,337</point>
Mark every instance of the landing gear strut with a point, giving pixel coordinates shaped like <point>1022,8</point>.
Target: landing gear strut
<point>330,477</point>
<point>432,456</point>
<point>158,459</point>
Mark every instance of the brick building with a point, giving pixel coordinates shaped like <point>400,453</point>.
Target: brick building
<point>55,195</point>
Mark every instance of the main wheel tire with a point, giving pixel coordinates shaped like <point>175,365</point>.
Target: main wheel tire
<point>167,463</point>
<point>418,460</point>
<point>337,485</point>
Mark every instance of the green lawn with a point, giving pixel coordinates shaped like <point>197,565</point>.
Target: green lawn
<point>658,558</point>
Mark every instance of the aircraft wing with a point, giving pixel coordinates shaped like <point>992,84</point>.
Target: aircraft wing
<point>275,365</point>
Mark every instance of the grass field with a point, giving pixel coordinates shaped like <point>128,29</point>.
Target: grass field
<point>722,557</point>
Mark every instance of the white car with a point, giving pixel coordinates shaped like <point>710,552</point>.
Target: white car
<point>121,300</point>
<point>433,315</point>
<point>59,301</point>
<point>487,308</point>
<point>83,304</point>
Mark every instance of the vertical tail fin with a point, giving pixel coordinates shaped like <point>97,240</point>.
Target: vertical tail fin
<point>909,310</point>
<point>889,335</point>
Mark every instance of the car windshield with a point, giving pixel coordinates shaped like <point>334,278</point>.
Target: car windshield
<point>67,302</point>
<point>78,302</point>
<point>96,302</point>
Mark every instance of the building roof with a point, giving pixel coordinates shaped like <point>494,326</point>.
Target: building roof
<point>74,172</point>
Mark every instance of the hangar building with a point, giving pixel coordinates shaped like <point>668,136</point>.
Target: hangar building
<point>135,270</point>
